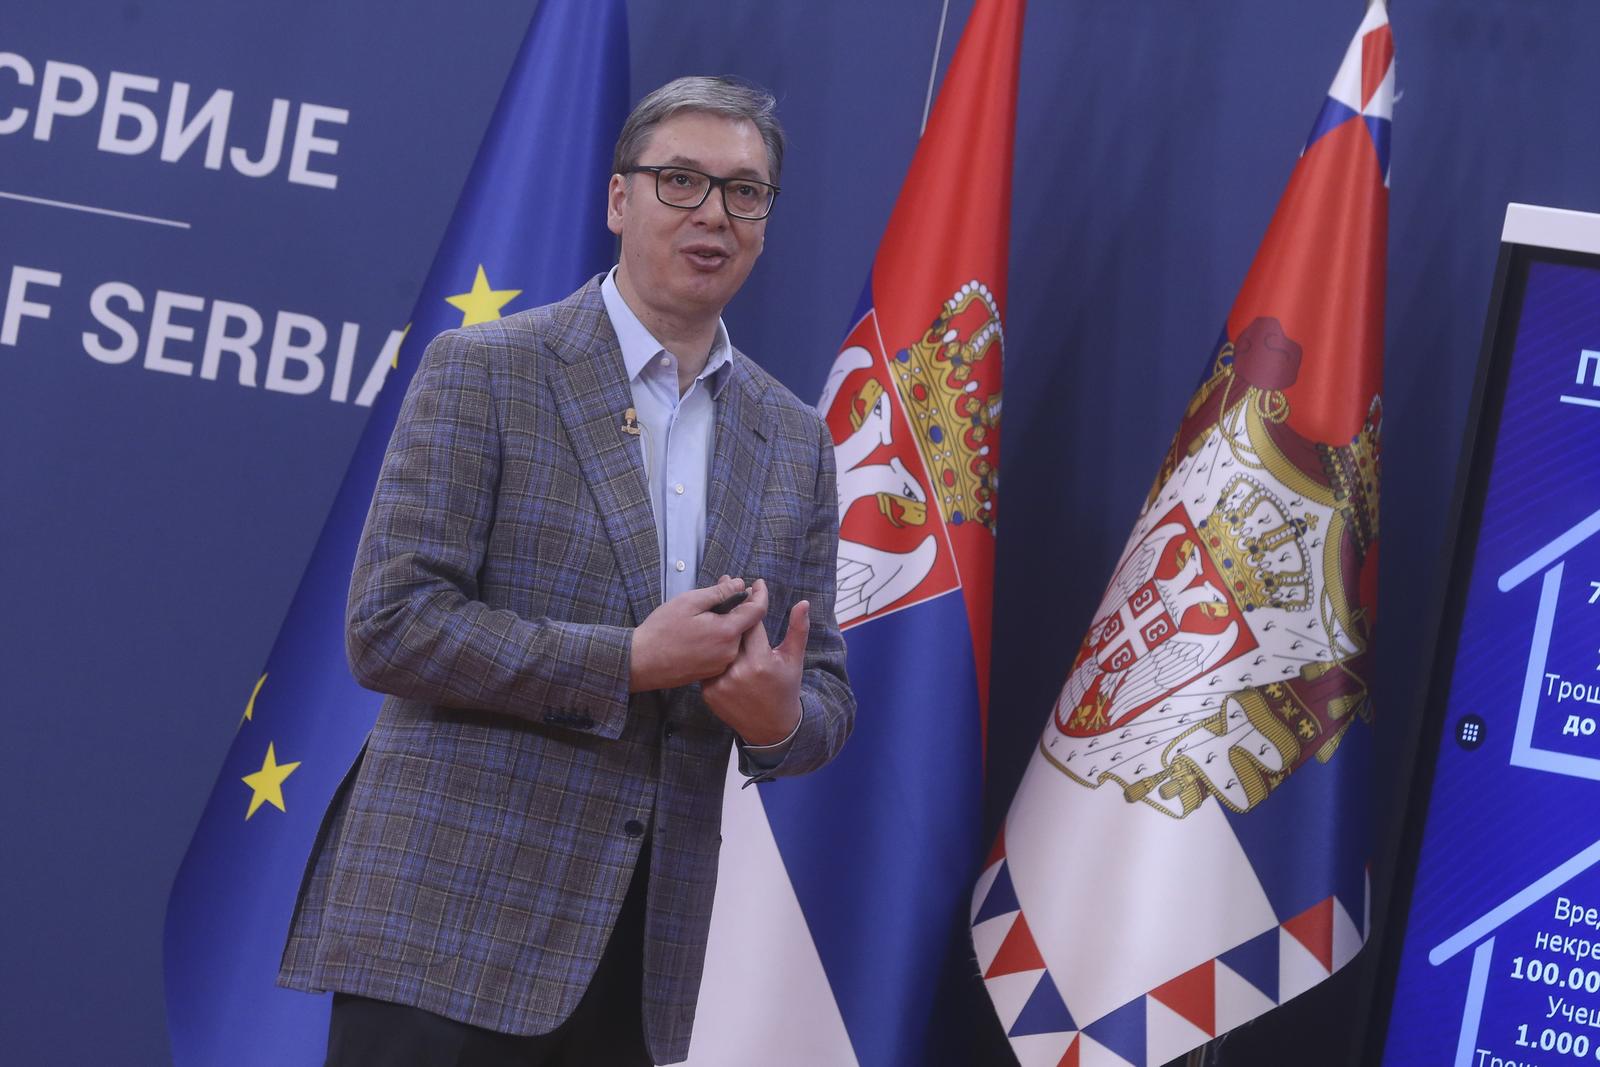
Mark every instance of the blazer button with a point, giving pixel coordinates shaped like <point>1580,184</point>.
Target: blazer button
<point>669,730</point>
<point>633,828</point>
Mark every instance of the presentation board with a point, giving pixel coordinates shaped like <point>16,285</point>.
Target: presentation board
<point>1494,954</point>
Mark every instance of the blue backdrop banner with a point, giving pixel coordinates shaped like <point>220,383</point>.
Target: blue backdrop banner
<point>529,228</point>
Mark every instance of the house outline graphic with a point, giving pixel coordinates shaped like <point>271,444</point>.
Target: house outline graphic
<point>1481,931</point>
<point>1549,560</point>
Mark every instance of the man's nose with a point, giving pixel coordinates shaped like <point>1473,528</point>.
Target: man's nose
<point>712,211</point>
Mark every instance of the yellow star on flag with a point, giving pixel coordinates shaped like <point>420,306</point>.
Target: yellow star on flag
<point>482,304</point>
<point>268,782</point>
<point>394,361</point>
<point>250,708</point>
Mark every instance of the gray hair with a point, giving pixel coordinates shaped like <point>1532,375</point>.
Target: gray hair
<point>729,97</point>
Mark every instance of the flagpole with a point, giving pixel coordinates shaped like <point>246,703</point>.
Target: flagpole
<point>938,45</point>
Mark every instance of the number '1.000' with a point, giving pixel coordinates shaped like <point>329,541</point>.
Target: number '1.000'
<point>1554,1041</point>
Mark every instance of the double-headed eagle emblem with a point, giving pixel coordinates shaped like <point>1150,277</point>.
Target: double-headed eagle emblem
<point>1231,646</point>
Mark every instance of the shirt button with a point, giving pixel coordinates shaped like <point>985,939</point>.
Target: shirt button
<point>678,489</point>
<point>678,565</point>
<point>633,828</point>
<point>666,361</point>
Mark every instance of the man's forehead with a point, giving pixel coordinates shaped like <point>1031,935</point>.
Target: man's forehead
<point>718,144</point>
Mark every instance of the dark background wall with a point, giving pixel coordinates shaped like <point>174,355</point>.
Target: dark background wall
<point>154,526</point>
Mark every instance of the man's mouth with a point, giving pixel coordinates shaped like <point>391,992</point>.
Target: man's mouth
<point>706,257</point>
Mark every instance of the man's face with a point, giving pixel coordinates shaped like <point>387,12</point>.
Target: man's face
<point>689,262</point>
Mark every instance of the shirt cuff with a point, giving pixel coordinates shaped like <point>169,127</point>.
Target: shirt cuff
<point>766,757</point>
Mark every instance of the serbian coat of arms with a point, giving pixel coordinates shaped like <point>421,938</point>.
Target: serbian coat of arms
<point>915,437</point>
<point>1231,645</point>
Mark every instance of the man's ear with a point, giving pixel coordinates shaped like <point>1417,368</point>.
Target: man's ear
<point>616,201</point>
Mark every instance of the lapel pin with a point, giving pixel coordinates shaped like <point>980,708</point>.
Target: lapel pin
<point>630,422</point>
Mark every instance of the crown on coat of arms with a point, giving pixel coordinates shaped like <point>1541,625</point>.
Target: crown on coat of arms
<point>953,409</point>
<point>1260,547</point>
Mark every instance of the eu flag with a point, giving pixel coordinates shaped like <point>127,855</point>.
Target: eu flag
<point>529,228</point>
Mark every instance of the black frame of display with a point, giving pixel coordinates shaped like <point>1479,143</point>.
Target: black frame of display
<point>1479,441</point>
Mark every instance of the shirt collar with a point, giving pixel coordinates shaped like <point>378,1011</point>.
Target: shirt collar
<point>639,345</point>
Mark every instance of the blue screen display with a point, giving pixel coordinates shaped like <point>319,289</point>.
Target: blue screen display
<point>1501,960</point>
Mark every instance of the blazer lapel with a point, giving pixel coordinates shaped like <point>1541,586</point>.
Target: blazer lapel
<point>740,454</point>
<point>590,387</point>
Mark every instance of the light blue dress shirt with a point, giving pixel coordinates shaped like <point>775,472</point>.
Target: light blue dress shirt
<point>676,434</point>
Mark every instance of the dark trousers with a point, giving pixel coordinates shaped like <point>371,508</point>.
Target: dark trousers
<point>606,1028</point>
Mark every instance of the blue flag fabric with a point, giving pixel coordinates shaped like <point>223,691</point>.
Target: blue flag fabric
<point>529,228</point>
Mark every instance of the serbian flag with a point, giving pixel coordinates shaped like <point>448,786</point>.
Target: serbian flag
<point>1189,843</point>
<point>849,885</point>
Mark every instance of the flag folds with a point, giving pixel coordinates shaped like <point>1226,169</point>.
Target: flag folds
<point>849,884</point>
<point>528,229</point>
<point>1188,846</point>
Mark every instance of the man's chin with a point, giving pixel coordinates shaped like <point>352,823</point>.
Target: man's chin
<point>709,292</point>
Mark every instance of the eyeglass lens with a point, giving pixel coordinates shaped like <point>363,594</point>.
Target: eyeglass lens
<point>688,188</point>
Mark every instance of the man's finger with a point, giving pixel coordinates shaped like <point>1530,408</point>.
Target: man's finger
<point>702,600</point>
<point>750,614</point>
<point>794,643</point>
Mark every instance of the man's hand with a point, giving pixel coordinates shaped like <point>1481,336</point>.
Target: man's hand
<point>684,641</point>
<point>759,694</point>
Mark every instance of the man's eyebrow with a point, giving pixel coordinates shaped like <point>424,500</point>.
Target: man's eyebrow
<point>695,164</point>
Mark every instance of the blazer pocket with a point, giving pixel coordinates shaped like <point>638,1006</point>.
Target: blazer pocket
<point>781,523</point>
<point>413,857</point>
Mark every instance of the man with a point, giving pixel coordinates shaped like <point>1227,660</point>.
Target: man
<point>520,868</point>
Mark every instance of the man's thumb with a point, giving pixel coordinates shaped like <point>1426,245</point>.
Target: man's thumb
<point>794,642</point>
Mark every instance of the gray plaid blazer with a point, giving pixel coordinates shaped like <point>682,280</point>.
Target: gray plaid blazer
<point>474,859</point>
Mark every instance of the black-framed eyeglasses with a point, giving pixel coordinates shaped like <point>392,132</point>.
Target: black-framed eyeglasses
<point>687,188</point>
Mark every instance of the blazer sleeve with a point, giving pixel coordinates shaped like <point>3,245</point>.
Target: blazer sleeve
<point>415,627</point>
<point>827,706</point>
